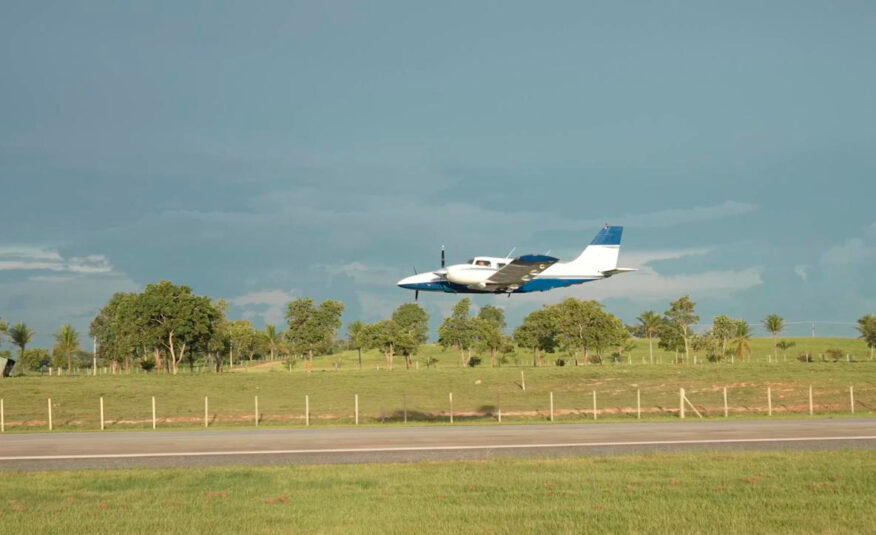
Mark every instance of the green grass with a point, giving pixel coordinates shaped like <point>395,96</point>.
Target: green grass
<point>787,492</point>
<point>477,392</point>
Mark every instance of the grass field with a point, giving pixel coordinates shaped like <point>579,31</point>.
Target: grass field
<point>787,492</point>
<point>478,393</point>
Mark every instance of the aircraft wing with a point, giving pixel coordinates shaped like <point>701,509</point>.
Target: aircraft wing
<point>521,270</point>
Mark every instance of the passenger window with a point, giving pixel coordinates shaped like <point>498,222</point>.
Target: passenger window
<point>483,263</point>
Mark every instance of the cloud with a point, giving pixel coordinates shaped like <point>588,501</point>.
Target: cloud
<point>802,271</point>
<point>362,273</point>
<point>268,304</point>
<point>34,259</point>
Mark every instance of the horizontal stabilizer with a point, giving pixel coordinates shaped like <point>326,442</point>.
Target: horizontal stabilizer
<point>609,272</point>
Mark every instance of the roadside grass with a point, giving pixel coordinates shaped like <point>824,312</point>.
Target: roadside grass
<point>755,492</point>
<point>422,394</point>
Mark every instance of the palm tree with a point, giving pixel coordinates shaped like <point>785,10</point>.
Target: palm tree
<point>867,328</point>
<point>20,335</point>
<point>67,342</point>
<point>741,338</point>
<point>651,322</point>
<point>774,324</point>
<point>357,333</point>
<point>273,338</point>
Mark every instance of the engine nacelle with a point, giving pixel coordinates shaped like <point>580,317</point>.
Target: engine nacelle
<point>468,275</point>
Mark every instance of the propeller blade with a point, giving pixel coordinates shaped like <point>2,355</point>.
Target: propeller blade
<point>415,270</point>
<point>416,294</point>
<point>442,256</point>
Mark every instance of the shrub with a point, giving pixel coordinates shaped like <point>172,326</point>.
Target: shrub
<point>595,359</point>
<point>806,357</point>
<point>147,365</point>
<point>560,362</point>
<point>835,354</point>
<point>474,361</point>
<point>712,357</point>
<point>431,361</point>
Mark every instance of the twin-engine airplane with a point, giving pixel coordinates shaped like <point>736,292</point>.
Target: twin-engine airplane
<point>527,273</point>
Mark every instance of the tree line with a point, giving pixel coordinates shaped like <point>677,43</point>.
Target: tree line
<point>167,326</point>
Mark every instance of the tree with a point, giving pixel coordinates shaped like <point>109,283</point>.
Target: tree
<point>67,342</point>
<point>670,338</point>
<point>36,359</point>
<point>412,319</point>
<point>681,313</point>
<point>493,314</point>
<point>538,332</point>
<point>312,329</point>
<point>650,322</point>
<point>174,319</point>
<point>20,336</point>
<point>356,333</point>
<point>488,336</point>
<point>457,330</point>
<point>119,331</point>
<point>723,329</point>
<point>584,325</point>
<point>867,328</point>
<point>785,345</point>
<point>272,339</point>
<point>774,324</point>
<point>243,337</point>
<point>389,337</point>
<point>742,338</point>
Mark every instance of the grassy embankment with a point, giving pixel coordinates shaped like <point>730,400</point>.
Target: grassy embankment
<point>787,492</point>
<point>424,392</point>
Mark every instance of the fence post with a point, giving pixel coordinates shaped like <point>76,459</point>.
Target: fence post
<point>499,406</point>
<point>552,406</point>
<point>770,400</point>
<point>256,411</point>
<point>852,398</point>
<point>594,404</point>
<point>638,404</point>
<point>405,405</point>
<point>206,408</point>
<point>522,381</point>
<point>810,400</point>
<point>356,403</point>
<point>306,410</point>
<point>101,413</point>
<point>153,412</point>
<point>2,418</point>
<point>451,406</point>
<point>725,402</point>
<point>681,402</point>
<point>50,414</point>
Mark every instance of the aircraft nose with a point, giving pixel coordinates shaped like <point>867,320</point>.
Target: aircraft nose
<point>406,283</point>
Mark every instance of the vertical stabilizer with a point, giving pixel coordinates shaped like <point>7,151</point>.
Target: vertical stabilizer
<point>601,255</point>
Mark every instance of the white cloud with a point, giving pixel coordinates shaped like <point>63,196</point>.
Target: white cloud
<point>33,259</point>
<point>364,274</point>
<point>268,304</point>
<point>802,271</point>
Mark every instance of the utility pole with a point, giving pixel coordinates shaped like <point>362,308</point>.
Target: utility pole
<point>813,329</point>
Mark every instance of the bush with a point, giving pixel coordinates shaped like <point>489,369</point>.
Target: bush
<point>560,362</point>
<point>147,364</point>
<point>835,354</point>
<point>806,358</point>
<point>595,359</point>
<point>712,357</point>
<point>431,361</point>
<point>474,361</point>
<point>616,358</point>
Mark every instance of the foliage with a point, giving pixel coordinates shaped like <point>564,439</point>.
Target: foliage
<point>20,335</point>
<point>245,340</point>
<point>538,332</point>
<point>36,359</point>
<point>867,328</point>
<point>67,342</point>
<point>474,361</point>
<point>312,328</point>
<point>742,338</point>
<point>457,330</point>
<point>414,321</point>
<point>681,314</point>
<point>650,323</point>
<point>272,339</point>
<point>493,314</point>
<point>723,329</point>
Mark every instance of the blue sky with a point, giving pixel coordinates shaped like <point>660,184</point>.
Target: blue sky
<point>260,151</point>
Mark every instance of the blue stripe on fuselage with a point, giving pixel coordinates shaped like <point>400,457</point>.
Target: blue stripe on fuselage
<point>536,285</point>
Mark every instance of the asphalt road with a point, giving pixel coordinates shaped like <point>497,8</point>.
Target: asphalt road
<point>46,451</point>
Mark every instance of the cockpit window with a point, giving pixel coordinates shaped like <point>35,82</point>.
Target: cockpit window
<point>501,265</point>
<point>470,261</point>
<point>482,263</point>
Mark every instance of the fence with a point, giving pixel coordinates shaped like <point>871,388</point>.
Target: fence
<point>570,405</point>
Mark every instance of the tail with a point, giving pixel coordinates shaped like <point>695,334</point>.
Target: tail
<point>601,255</point>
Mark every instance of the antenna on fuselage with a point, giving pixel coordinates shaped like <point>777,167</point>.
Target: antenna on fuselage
<point>511,252</point>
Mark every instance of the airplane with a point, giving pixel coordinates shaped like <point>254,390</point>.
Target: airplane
<point>524,274</point>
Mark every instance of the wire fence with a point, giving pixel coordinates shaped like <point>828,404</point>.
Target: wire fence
<point>108,412</point>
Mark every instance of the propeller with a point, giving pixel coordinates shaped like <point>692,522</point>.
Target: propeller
<point>416,294</point>
<point>442,256</point>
